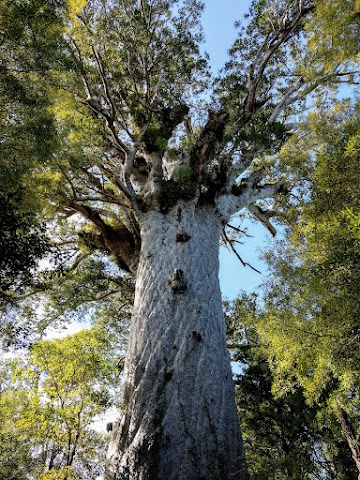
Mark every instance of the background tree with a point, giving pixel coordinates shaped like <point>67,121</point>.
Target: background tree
<point>284,436</point>
<point>30,41</point>
<point>280,434</point>
<point>49,403</point>
<point>149,174</point>
<point>27,132</point>
<point>313,311</point>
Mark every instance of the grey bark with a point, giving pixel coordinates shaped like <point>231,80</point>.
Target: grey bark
<point>178,415</point>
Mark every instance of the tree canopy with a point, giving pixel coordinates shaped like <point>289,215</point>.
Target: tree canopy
<point>135,128</point>
<point>30,36</point>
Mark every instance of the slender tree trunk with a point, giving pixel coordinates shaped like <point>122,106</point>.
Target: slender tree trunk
<point>350,436</point>
<point>179,420</point>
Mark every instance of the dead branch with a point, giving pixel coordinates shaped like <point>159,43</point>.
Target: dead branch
<point>230,243</point>
<point>263,216</point>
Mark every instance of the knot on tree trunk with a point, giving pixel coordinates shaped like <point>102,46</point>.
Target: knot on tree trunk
<point>177,281</point>
<point>182,237</point>
<point>196,336</point>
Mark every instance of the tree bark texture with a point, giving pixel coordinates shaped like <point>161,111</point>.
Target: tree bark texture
<point>178,415</point>
<point>350,436</point>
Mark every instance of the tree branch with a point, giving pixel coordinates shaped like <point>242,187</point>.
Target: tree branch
<point>103,295</point>
<point>287,99</point>
<point>266,51</point>
<point>80,257</point>
<point>263,217</point>
<point>117,182</point>
<point>105,83</point>
<point>117,240</point>
<point>239,167</point>
<point>238,230</point>
<point>229,242</point>
<point>208,143</point>
<point>68,180</point>
<point>82,69</point>
<point>247,193</point>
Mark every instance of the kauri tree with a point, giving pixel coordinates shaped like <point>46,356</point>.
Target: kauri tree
<point>154,159</point>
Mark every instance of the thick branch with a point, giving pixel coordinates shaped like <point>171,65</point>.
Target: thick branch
<point>263,216</point>
<point>208,143</point>
<point>130,194</point>
<point>239,167</point>
<point>117,240</point>
<point>247,193</point>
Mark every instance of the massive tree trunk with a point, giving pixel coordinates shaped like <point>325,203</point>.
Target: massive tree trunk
<point>178,415</point>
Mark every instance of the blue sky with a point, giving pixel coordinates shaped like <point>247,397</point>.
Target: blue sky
<point>218,22</point>
<point>234,277</point>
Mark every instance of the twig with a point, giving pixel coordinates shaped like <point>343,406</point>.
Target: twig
<point>230,243</point>
<point>240,231</point>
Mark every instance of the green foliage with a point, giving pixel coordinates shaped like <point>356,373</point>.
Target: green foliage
<point>22,243</point>
<point>87,289</point>
<point>49,402</point>
<point>311,324</point>
<point>30,39</point>
<point>15,454</point>
<point>285,437</point>
<point>280,434</point>
<point>318,273</point>
<point>334,33</point>
<point>30,46</point>
<point>150,54</point>
<point>66,473</point>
